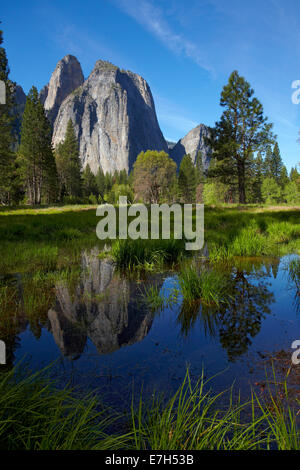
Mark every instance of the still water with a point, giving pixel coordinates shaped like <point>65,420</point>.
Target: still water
<point>102,335</point>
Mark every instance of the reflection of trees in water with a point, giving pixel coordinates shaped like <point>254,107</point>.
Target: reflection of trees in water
<point>238,321</point>
<point>241,320</point>
<point>196,312</point>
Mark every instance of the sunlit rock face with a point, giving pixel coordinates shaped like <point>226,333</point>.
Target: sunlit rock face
<point>191,144</point>
<point>66,77</point>
<point>114,117</point>
<point>102,307</point>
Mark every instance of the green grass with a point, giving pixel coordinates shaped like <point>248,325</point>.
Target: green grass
<point>36,414</point>
<point>32,237</point>
<point>146,254</point>
<point>205,283</point>
<point>294,272</point>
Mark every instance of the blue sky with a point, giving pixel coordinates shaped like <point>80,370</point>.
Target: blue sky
<point>186,51</point>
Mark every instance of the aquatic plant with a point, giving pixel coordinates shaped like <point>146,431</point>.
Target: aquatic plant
<point>146,253</point>
<point>206,284</point>
<point>35,414</point>
<point>294,272</point>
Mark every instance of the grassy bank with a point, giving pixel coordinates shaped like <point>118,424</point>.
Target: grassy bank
<point>36,414</point>
<point>51,238</point>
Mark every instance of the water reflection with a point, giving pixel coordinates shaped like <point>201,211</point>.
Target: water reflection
<point>103,308</point>
<point>100,305</point>
<point>238,322</point>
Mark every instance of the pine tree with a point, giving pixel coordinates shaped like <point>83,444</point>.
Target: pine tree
<point>68,164</point>
<point>284,177</point>
<point>255,179</point>
<point>37,164</point>
<point>89,183</point>
<point>187,180</point>
<point>200,178</point>
<point>294,175</point>
<point>277,163</point>
<point>6,134</point>
<point>267,167</point>
<point>273,163</point>
<point>100,181</point>
<point>241,131</point>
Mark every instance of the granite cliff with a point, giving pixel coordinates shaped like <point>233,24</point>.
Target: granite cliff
<point>114,117</point>
<point>191,144</point>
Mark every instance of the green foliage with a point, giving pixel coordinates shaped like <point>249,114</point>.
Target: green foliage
<point>89,182</point>
<point>147,254</point>
<point>271,191</point>
<point>154,177</point>
<point>69,165</point>
<point>7,158</point>
<point>35,156</point>
<point>294,272</point>
<point>292,193</point>
<point>37,415</point>
<point>120,190</point>
<point>241,131</point>
<point>214,193</point>
<point>206,284</point>
<point>187,180</point>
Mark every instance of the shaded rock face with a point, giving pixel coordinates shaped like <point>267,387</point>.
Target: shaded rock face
<point>102,308</point>
<point>66,77</point>
<point>114,117</point>
<point>191,144</point>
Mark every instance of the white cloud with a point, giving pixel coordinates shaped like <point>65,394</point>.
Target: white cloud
<point>153,19</point>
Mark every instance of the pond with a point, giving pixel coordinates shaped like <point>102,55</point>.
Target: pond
<point>101,333</point>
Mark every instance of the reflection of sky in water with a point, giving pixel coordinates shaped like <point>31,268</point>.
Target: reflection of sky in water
<point>117,342</point>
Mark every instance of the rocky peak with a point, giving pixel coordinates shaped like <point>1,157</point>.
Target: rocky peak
<point>66,77</point>
<point>191,144</point>
<point>114,117</point>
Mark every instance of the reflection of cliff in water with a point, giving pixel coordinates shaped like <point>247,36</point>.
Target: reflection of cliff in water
<point>102,307</point>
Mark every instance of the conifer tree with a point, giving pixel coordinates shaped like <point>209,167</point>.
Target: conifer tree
<point>69,165</point>
<point>241,131</point>
<point>187,180</point>
<point>89,183</point>
<point>277,163</point>
<point>6,127</point>
<point>37,164</point>
<point>256,179</point>
<point>100,181</point>
<point>284,177</point>
<point>200,178</point>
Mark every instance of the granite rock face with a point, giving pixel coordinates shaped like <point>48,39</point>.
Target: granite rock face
<point>114,117</point>
<point>66,77</point>
<point>191,144</point>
